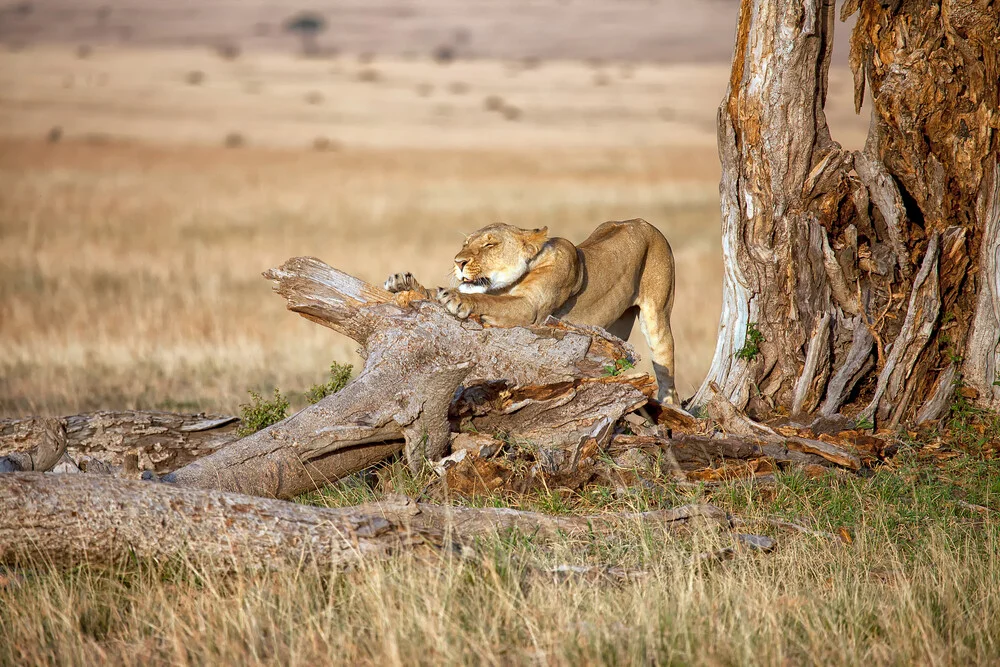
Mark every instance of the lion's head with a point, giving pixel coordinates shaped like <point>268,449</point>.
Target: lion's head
<point>496,256</point>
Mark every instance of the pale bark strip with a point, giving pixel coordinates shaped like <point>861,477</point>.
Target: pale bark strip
<point>738,307</point>
<point>885,194</point>
<point>75,519</point>
<point>853,368</point>
<point>845,297</point>
<point>922,313</point>
<point>981,361</point>
<point>940,397</point>
<point>164,441</point>
<point>818,352</point>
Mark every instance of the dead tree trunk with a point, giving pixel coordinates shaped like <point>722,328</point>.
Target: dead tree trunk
<point>74,519</point>
<point>861,280</point>
<point>417,358</point>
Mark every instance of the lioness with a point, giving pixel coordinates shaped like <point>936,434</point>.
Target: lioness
<point>510,276</point>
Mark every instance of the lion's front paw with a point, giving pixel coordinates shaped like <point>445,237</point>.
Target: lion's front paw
<point>454,303</point>
<point>401,282</point>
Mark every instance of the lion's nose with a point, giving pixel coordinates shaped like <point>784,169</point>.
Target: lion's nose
<point>460,263</point>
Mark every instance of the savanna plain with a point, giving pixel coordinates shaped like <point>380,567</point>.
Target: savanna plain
<point>143,192</point>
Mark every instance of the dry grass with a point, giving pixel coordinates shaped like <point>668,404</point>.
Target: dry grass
<point>130,275</point>
<point>146,95</point>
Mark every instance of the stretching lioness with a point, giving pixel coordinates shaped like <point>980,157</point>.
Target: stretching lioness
<point>510,276</point>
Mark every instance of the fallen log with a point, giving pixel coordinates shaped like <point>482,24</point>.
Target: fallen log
<point>418,358</point>
<point>792,448</point>
<point>163,441</point>
<point>100,520</point>
<point>466,522</point>
<point>427,376</point>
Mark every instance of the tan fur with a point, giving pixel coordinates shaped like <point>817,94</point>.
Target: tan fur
<point>622,270</point>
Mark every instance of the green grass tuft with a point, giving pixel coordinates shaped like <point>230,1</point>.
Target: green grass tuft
<point>968,428</point>
<point>260,413</point>
<point>340,375</point>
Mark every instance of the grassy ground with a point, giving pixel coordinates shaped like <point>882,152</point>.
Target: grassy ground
<point>917,584</point>
<point>130,254</point>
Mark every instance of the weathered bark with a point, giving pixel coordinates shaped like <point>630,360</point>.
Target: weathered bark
<point>74,519</point>
<point>417,357</point>
<point>164,441</point>
<point>865,272</point>
<point>41,444</point>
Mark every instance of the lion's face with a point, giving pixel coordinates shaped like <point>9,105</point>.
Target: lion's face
<point>496,256</point>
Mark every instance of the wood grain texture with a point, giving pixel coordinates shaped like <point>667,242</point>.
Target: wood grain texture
<point>813,233</point>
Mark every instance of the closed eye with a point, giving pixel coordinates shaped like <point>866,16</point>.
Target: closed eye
<point>488,245</point>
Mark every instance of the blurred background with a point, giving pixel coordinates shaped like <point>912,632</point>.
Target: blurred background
<point>157,155</point>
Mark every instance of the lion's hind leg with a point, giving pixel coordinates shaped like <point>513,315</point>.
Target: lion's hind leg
<point>655,325</point>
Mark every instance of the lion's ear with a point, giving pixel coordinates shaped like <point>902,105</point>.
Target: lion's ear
<point>534,239</point>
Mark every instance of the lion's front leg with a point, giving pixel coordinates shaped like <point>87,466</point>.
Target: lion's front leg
<point>497,310</point>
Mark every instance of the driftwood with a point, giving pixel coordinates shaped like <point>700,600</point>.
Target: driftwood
<point>693,452</point>
<point>773,443</point>
<point>523,407</point>
<point>417,359</point>
<point>426,377</point>
<point>72,519</point>
<point>113,519</point>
